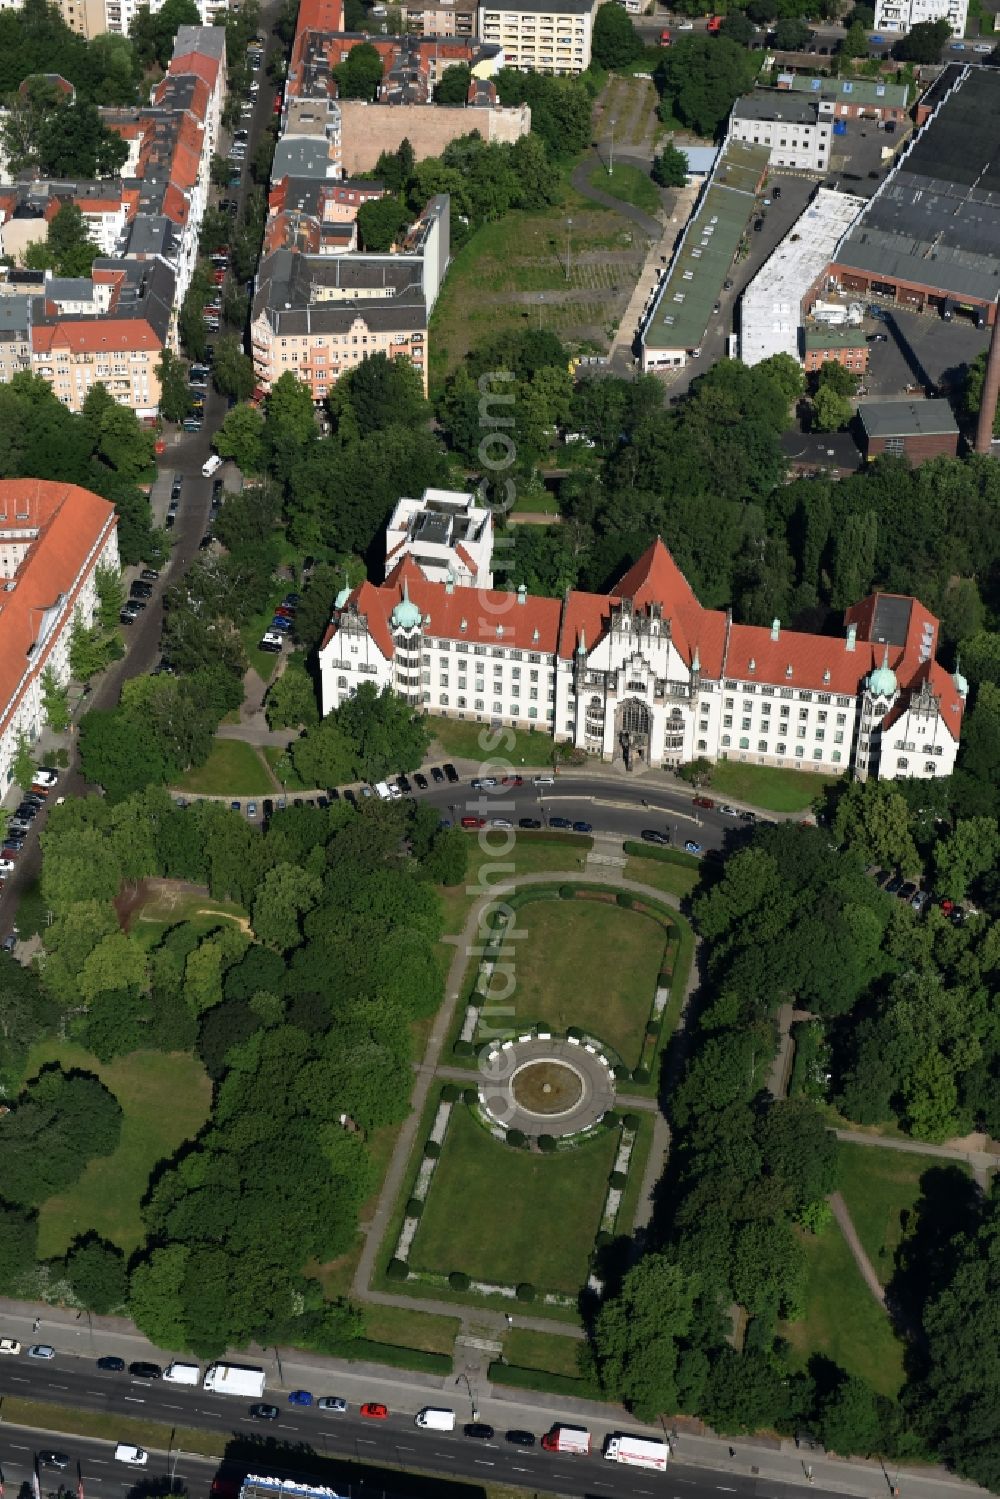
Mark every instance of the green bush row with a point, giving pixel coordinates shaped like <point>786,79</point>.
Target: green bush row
<point>664,855</point>
<point>400,1358</point>
<point>539,1379</point>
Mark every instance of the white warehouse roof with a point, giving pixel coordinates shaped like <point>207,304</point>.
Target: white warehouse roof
<point>771,310</point>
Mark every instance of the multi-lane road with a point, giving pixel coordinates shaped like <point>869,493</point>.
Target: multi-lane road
<point>326,1448</point>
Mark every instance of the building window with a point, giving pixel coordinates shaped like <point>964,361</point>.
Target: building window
<point>782,749</point>
<point>727,721</point>
<point>761,746</point>
<point>725,741</point>
<point>744,743</point>
<point>703,744</point>
<point>836,757</point>
<point>903,763</point>
<point>744,723</point>
<point>799,752</point>
<point>532,712</point>
<point>480,705</point>
<point>444,700</point>
<point>498,707</point>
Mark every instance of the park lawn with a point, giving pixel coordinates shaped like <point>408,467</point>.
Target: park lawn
<point>233,769</point>
<point>507,1215</point>
<point>881,1189</point>
<point>588,964</point>
<point>843,1321</point>
<point>770,787</point>
<point>405,1329</point>
<point>165,1098</point>
<point>290,781</point>
<point>629,184</point>
<point>536,501</point>
<point>508,748</point>
<point>486,871</point>
<point>674,879</point>
<point>543,1350</point>
<point>169,907</point>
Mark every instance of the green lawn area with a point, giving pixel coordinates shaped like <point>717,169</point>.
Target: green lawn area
<point>272,754</point>
<point>881,1189</point>
<point>843,1320</point>
<point>527,857</point>
<point>169,907</point>
<point>517,747</point>
<point>232,769</point>
<point>507,1215</point>
<point>675,879</point>
<point>406,1329</point>
<point>770,787</point>
<point>588,964</point>
<point>630,184</point>
<point>165,1098</point>
<point>542,1350</point>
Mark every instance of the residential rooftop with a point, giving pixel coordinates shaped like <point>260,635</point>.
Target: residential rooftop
<point>772,104</point>
<point>864,92</point>
<point>907,418</point>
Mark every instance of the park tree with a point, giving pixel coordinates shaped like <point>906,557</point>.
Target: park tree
<point>290,427</point>
<point>386,734</point>
<point>453,85</point>
<point>968,851</point>
<point>378,393</point>
<point>96,1272</point>
<point>855,41</point>
<point>670,168</point>
<point>616,43</point>
<point>59,1122</point>
<point>382,223</point>
<point>738,27</point>
<point>18,1246</point>
<point>791,34</point>
<point>324,756</point>
<point>360,74</point>
<point>873,820</point>
<point>152,34</point>
<point>117,963</point>
<point>285,896</point>
<point>637,1333</point>
<point>291,699</point>
<point>116,754</point>
<point>831,412</point>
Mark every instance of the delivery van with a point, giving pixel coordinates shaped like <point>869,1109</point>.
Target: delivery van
<point>212,462</point>
<point>136,1457</point>
<point>183,1374</point>
<point>433,1418</point>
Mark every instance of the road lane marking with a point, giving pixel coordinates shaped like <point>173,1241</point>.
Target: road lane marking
<point>482,1463</point>
<point>173,1407</point>
<point>139,1400</point>
<point>60,1387</point>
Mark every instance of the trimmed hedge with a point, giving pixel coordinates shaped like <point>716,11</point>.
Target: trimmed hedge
<point>400,1358</point>
<point>517,1138</point>
<point>631,1122</point>
<point>458,1280</point>
<point>450,1093</point>
<point>463,1048</point>
<point>546,1144</point>
<point>624,900</point>
<point>664,855</point>
<point>537,1379</point>
<point>432,1150</point>
<point>414,1207</point>
<point>525,1291</point>
<point>618,1180</point>
<point>397,1270</point>
<point>470,1096</point>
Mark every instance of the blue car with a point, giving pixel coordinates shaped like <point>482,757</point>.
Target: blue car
<point>583,827</point>
<point>283,626</point>
<point>691,847</point>
<point>300,1397</point>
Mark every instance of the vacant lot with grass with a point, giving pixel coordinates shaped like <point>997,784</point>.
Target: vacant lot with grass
<point>843,1321</point>
<point>232,769</point>
<point>591,965</point>
<point>507,1215</point>
<point>165,1099</point>
<point>768,786</point>
<point>881,1189</point>
<point>630,184</point>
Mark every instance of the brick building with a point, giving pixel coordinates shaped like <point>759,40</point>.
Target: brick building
<point>916,430</point>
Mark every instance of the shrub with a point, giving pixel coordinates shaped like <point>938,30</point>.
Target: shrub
<point>546,1143</point>
<point>432,1150</point>
<point>631,1122</point>
<point>543,1025</point>
<point>458,1280</point>
<point>397,1270</point>
<point>525,1291</point>
<point>414,1207</point>
<point>450,1093</point>
<point>652,1030</point>
<point>602,1239</point>
<point>665,978</point>
<point>640,1075</point>
<point>470,1096</point>
<point>622,1073</point>
<point>574,1033</point>
<point>566,892</point>
<point>517,1138</point>
<point>618,1180</point>
<point>462,1048</point>
<point>625,900</point>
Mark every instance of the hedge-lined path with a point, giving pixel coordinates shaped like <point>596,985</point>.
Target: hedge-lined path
<point>429,1071</point>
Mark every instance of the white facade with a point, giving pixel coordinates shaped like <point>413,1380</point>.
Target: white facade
<point>771,306</point>
<point>899,16</point>
<point>448,536</point>
<point>53,539</point>
<point>789,126</point>
<point>646,674</point>
<point>541,38</point>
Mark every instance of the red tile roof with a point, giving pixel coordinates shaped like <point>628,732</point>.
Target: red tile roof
<point>95,335</point>
<point>70,522</point>
<point>203,67</point>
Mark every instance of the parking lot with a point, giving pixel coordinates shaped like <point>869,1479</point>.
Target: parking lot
<point>857,155</point>
<point>921,350</point>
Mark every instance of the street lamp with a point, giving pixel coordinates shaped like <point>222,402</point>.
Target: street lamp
<point>611,154</point>
<point>569,230</point>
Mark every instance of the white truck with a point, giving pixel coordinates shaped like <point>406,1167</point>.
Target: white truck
<point>388,791</point>
<point>435,1418</point>
<point>571,1439</point>
<point>189,1374</point>
<point>636,1452</point>
<point>234,1379</point>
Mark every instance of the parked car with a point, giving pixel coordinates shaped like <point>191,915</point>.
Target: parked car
<point>176,485</point>
<point>560,822</point>
<point>41,1350</point>
<point>111,1363</point>
<point>451,773</point>
<point>373,1410</point>
<point>251,809</point>
<point>480,1430</point>
<point>404,785</point>
<point>583,827</point>
<point>728,811</point>
<point>653,835</point>
<point>704,801</point>
<point>143,1370</point>
<point>9,1345</point>
<point>331,1403</point>
<point>54,1460</point>
<point>483,783</point>
<point>529,822</point>
<point>691,847</point>
<point>421,780</point>
<point>470,822</point>
<point>437,775</point>
<point>264,1412</point>
<point>519,1438</point>
<point>300,1397</point>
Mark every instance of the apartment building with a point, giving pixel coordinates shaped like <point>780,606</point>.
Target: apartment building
<point>92,18</point>
<point>320,314</point>
<point>441,17</point>
<point>541,36</point>
<point>645,674</point>
<point>447,534</point>
<point>53,539</point>
<point>899,16</point>
<point>790,126</point>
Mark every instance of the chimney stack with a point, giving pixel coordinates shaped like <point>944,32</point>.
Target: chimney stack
<point>991,389</point>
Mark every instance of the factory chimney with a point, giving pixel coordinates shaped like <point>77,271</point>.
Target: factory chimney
<point>991,389</point>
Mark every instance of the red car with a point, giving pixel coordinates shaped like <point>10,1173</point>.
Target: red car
<point>218,277</point>
<point>703,801</point>
<point>473,822</point>
<point>277,104</point>
<point>374,1410</point>
<point>512,781</point>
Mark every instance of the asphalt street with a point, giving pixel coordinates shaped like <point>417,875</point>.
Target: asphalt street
<point>316,1446</point>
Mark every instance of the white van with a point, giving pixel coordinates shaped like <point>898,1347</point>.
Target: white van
<point>544,781</point>
<point>136,1457</point>
<point>388,793</point>
<point>433,1418</point>
<point>183,1374</point>
<point>212,462</point>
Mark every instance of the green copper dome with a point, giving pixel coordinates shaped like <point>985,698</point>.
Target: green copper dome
<point>406,615</point>
<point>342,598</point>
<point>882,682</point>
<point>961,684</point>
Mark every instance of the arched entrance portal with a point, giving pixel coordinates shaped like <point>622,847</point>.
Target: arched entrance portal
<point>632,730</point>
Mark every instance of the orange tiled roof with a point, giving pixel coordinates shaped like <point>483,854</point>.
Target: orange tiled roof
<point>70,522</point>
<point>95,335</point>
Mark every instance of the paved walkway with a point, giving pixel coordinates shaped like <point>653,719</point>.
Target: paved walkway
<point>846,1225</point>
<point>430,1070</point>
<point>980,1160</point>
<point>582,173</point>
